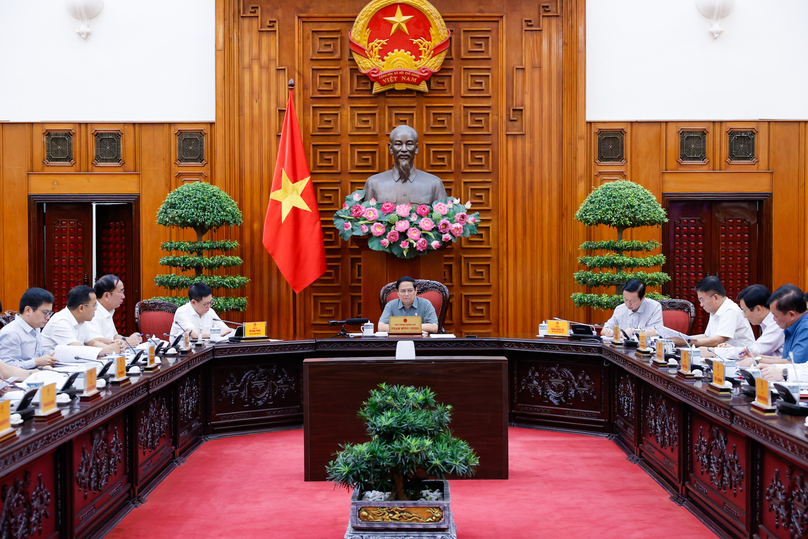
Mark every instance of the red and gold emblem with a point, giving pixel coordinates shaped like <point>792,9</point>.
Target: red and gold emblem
<point>399,44</point>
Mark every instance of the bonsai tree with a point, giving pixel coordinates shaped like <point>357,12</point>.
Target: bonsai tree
<point>204,208</point>
<point>619,204</point>
<point>410,440</point>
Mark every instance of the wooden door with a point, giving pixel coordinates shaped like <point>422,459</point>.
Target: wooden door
<point>115,254</point>
<point>727,238</point>
<point>68,256</point>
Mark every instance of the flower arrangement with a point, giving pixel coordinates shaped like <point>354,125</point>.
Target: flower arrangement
<point>406,230</point>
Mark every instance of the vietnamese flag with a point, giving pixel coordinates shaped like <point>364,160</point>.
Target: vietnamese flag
<point>293,235</point>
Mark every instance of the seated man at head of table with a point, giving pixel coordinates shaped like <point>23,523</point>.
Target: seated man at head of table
<point>21,341</point>
<point>768,348</point>
<point>636,312</point>
<point>727,323</point>
<point>71,326</point>
<point>788,307</point>
<point>409,304</point>
<point>196,316</point>
<point>110,294</point>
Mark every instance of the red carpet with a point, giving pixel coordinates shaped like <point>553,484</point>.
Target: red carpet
<point>562,485</point>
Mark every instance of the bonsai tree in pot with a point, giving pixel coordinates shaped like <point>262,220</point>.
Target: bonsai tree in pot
<point>410,441</point>
<point>202,207</point>
<point>621,205</point>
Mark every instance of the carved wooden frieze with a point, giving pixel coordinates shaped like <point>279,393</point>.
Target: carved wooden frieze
<point>189,398</point>
<point>153,425</point>
<point>626,395</point>
<point>711,453</point>
<point>789,502</point>
<point>661,421</point>
<point>23,510</point>
<point>258,386</point>
<point>101,462</point>
<point>557,384</point>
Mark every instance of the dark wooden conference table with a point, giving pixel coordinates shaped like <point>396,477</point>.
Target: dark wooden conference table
<point>741,473</point>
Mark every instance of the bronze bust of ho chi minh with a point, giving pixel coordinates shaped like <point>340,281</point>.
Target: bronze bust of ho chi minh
<point>404,183</point>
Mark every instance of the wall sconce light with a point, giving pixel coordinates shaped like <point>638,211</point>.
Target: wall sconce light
<point>715,10</point>
<point>84,10</point>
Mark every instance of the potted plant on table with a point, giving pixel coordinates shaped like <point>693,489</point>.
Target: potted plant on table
<point>390,474</point>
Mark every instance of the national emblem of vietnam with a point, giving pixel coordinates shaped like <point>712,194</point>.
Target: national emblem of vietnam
<point>399,44</point>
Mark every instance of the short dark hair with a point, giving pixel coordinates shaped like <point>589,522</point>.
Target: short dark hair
<point>405,279</point>
<point>789,298</point>
<point>635,285</point>
<point>34,298</point>
<point>78,295</point>
<point>711,283</point>
<point>754,295</point>
<point>198,291</point>
<point>105,284</point>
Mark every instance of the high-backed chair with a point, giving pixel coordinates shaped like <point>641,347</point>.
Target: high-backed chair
<point>6,318</point>
<point>435,292</point>
<point>678,314</point>
<point>154,317</point>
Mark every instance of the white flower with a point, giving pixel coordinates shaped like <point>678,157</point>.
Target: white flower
<point>468,205</point>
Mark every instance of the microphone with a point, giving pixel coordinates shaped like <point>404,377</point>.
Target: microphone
<point>88,359</point>
<point>176,341</point>
<point>349,321</point>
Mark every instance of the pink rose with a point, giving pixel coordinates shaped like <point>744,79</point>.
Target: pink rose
<point>388,207</point>
<point>403,210</point>
<point>444,225</point>
<point>357,196</point>
<point>435,244</point>
<point>384,242</point>
<point>461,218</point>
<point>427,224</point>
<point>371,214</point>
<point>404,244</point>
<point>457,229</point>
<point>346,226</point>
<point>472,219</point>
<point>447,238</point>
<point>392,236</point>
<point>402,226</point>
<point>345,206</point>
<point>421,244</point>
<point>357,210</point>
<point>441,208</point>
<point>422,210</point>
<point>364,229</point>
<point>414,234</point>
<point>377,229</point>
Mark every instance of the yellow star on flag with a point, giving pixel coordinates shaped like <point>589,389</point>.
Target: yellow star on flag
<point>399,21</point>
<point>289,195</point>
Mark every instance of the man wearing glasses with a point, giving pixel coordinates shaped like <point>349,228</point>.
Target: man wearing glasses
<point>727,323</point>
<point>71,325</point>
<point>20,341</point>
<point>409,304</point>
<point>196,316</point>
<point>110,293</point>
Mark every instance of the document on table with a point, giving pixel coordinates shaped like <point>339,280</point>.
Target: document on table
<point>667,333</point>
<point>75,354</point>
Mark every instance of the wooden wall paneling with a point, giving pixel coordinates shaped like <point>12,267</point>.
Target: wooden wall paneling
<point>673,133</point>
<point>788,204</point>
<point>761,160</point>
<point>38,137</point>
<point>16,161</point>
<point>129,156</point>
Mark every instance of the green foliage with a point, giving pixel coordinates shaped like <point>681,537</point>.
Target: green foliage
<point>621,246</point>
<point>590,278</point>
<point>410,441</point>
<point>198,205</point>
<point>199,247</point>
<point>220,303</point>
<point>189,262</point>
<point>621,261</point>
<point>621,204</point>
<point>176,282</point>
<point>605,301</point>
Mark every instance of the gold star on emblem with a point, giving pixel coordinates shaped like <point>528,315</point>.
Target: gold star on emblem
<point>289,195</point>
<point>399,21</point>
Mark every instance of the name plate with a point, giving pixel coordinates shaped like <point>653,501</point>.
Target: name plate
<point>660,351</point>
<point>90,381</point>
<point>616,336</point>
<point>120,367</point>
<point>685,353</point>
<point>255,329</point>
<point>558,328</point>
<point>643,337</point>
<point>151,362</point>
<point>47,399</point>
<point>763,394</point>
<point>405,325</point>
<point>718,373</point>
<point>5,416</point>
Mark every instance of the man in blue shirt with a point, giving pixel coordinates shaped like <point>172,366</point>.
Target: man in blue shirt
<point>409,304</point>
<point>787,305</point>
<point>20,341</point>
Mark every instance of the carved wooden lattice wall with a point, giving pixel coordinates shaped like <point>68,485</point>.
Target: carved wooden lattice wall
<point>346,130</point>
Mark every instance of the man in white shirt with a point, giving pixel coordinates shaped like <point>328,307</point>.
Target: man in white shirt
<point>70,325</point>
<point>636,312</point>
<point>110,293</point>
<point>20,341</point>
<point>727,323</point>
<point>196,316</point>
<point>752,301</point>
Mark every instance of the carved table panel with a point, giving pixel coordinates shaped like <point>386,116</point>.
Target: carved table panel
<point>626,407</point>
<point>153,439</point>
<point>30,501</point>
<point>662,433</point>
<point>189,410</point>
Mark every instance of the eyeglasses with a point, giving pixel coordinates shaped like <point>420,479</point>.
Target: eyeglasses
<point>207,304</point>
<point>407,292</point>
<point>121,291</point>
<point>92,305</point>
<point>47,314</point>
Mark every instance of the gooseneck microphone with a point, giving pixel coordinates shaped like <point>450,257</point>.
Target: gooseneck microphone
<point>350,322</point>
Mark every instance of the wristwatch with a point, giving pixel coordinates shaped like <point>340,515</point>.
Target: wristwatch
<point>785,375</point>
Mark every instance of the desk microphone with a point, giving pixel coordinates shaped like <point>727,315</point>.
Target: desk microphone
<point>350,322</point>
<point>176,341</point>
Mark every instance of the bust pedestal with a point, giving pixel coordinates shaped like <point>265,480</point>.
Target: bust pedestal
<point>380,268</point>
